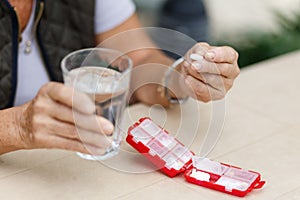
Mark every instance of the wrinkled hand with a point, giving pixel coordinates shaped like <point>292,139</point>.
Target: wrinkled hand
<point>210,78</point>
<point>60,118</point>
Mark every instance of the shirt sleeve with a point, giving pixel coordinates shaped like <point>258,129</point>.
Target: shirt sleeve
<point>111,13</point>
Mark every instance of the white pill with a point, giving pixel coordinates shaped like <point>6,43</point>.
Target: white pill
<point>201,176</point>
<point>196,57</point>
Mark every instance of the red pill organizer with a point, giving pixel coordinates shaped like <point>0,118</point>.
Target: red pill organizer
<point>173,158</point>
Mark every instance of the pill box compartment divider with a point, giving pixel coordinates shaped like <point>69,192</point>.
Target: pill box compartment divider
<point>172,158</point>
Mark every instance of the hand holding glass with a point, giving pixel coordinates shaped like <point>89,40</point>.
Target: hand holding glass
<point>104,75</point>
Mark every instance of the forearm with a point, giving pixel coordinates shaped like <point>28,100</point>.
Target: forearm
<point>148,77</point>
<point>150,63</point>
<point>9,131</point>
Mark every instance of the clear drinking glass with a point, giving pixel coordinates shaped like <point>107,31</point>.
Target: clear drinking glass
<point>103,74</point>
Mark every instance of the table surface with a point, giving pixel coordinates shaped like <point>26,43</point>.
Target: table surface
<point>257,128</point>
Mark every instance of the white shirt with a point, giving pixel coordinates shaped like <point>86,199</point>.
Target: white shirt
<point>32,73</point>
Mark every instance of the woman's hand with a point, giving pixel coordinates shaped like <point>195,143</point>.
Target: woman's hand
<point>61,118</point>
<point>210,78</point>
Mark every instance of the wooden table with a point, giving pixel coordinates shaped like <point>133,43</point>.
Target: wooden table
<point>259,123</point>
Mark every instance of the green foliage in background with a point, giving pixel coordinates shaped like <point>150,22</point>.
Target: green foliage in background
<point>259,46</point>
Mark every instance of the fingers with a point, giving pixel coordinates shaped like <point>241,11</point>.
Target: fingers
<point>50,133</point>
<point>94,139</point>
<point>211,74</point>
<point>216,60</point>
<point>64,113</point>
<point>56,142</point>
<point>199,48</point>
<point>54,113</point>
<point>68,96</point>
<point>223,54</point>
<point>91,122</point>
<point>82,110</point>
<point>215,81</point>
<point>202,91</point>
<point>72,132</point>
<point>204,66</point>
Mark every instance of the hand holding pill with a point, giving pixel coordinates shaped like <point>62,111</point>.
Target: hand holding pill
<point>210,71</point>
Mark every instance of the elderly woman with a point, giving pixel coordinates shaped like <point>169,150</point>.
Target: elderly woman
<point>36,109</point>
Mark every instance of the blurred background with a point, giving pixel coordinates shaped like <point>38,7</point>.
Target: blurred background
<point>257,29</point>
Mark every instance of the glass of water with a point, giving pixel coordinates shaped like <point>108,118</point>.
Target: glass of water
<point>104,75</point>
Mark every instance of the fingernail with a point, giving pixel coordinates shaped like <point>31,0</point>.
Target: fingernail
<point>210,55</point>
<point>108,128</point>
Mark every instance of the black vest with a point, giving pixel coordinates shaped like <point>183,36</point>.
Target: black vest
<point>64,26</point>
